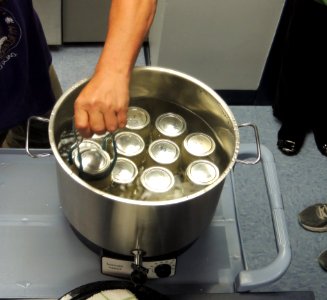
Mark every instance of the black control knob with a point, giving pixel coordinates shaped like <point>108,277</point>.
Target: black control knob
<point>139,275</point>
<point>163,270</point>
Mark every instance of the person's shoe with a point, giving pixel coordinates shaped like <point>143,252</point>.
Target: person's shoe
<point>314,217</point>
<point>290,139</point>
<point>322,260</point>
<point>320,135</point>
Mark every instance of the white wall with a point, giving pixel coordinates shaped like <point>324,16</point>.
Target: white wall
<point>49,12</point>
<point>224,43</point>
<point>73,20</point>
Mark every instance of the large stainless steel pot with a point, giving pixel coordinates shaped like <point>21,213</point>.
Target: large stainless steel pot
<point>156,227</point>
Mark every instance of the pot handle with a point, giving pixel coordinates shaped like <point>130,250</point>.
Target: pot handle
<point>249,279</point>
<point>30,119</point>
<point>257,142</point>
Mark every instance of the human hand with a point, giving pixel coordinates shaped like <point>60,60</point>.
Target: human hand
<point>102,105</point>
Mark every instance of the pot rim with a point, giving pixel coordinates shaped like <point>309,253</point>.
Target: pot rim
<point>195,195</point>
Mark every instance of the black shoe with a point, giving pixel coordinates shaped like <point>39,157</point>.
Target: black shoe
<point>314,217</point>
<point>320,135</point>
<point>322,259</point>
<point>290,139</point>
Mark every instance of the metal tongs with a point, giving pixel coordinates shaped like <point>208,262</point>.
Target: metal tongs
<point>109,137</point>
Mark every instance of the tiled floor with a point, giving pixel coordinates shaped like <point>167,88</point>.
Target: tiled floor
<point>302,181</point>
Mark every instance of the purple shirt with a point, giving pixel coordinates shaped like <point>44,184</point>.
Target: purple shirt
<point>25,88</point>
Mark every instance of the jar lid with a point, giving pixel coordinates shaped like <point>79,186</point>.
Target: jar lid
<point>157,179</point>
<point>137,118</point>
<point>164,151</point>
<point>171,124</point>
<point>124,172</point>
<point>202,172</point>
<point>199,144</point>
<point>129,143</point>
<point>95,161</point>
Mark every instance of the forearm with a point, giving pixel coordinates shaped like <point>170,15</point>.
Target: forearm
<point>128,24</point>
<point>103,103</point>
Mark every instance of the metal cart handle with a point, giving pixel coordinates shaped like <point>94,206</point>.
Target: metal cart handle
<point>249,279</point>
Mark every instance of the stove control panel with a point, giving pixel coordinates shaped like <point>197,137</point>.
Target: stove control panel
<point>123,268</point>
